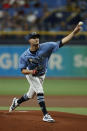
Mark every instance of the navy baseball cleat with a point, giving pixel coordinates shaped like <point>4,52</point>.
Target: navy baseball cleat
<point>13,105</point>
<point>48,118</point>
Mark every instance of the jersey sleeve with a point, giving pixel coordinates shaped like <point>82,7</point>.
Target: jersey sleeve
<point>55,46</point>
<point>22,63</point>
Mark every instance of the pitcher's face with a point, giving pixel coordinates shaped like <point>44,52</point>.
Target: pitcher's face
<point>34,42</point>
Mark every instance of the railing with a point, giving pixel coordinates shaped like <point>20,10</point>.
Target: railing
<point>40,32</point>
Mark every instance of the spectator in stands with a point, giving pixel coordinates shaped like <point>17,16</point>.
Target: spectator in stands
<point>32,14</point>
<point>72,5</point>
<point>82,5</point>
<point>6,4</point>
<point>26,26</point>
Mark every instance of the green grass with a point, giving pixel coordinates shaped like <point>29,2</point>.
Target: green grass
<point>51,87</point>
<point>81,111</point>
<point>66,87</point>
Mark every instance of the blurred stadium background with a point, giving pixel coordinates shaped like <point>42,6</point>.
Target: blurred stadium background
<point>53,19</point>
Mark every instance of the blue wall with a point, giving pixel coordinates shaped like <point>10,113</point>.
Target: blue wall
<point>67,62</point>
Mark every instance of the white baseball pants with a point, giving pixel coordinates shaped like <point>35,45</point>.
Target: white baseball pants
<point>36,85</point>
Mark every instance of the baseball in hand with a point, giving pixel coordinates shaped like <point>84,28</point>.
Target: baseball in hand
<point>80,23</point>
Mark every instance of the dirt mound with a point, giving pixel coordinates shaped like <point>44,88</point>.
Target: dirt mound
<point>32,121</point>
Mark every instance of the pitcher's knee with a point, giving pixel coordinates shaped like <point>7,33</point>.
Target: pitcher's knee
<point>40,92</point>
<point>31,96</point>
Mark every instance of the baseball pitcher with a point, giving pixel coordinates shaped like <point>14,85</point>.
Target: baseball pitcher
<point>33,64</point>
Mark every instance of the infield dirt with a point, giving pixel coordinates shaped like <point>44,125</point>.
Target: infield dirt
<point>51,101</point>
<point>32,121</point>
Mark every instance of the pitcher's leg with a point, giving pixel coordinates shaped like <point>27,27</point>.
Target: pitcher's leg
<point>41,102</point>
<point>30,94</point>
<point>16,102</point>
<point>37,83</point>
<point>41,78</point>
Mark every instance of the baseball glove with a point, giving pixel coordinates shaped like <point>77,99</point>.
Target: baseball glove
<point>37,70</point>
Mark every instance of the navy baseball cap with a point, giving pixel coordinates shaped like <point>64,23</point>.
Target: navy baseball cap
<point>32,35</point>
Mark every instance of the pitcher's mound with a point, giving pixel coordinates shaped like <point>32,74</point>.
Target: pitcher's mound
<point>32,121</point>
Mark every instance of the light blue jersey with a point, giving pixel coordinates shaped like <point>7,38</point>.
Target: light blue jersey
<point>29,60</point>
